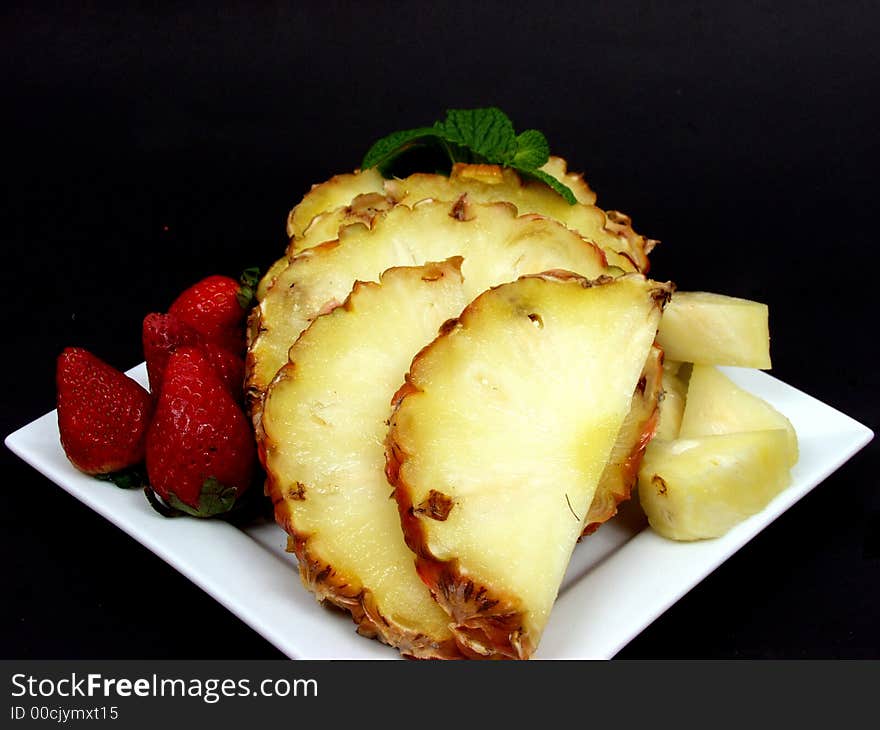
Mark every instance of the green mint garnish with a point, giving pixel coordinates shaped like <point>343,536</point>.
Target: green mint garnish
<point>476,136</point>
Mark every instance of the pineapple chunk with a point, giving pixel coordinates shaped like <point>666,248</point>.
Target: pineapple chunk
<point>713,329</point>
<point>698,488</point>
<point>500,437</point>
<point>324,424</point>
<point>497,246</point>
<point>622,469</point>
<point>716,405</point>
<point>672,404</point>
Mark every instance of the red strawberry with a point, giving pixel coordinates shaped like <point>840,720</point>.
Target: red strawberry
<point>103,415</point>
<point>200,447</point>
<point>229,366</point>
<point>215,307</point>
<point>162,335</point>
<point>165,333</point>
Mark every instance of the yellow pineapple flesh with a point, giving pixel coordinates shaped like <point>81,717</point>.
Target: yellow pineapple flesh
<point>324,425</point>
<point>497,246</point>
<point>337,192</point>
<point>714,329</point>
<point>500,438</point>
<point>696,488</point>
<point>622,469</point>
<point>717,405</point>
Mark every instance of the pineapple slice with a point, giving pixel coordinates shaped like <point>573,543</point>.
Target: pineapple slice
<point>492,183</point>
<point>713,329</point>
<point>324,424</point>
<point>337,192</point>
<point>622,469</point>
<point>698,488</point>
<point>269,277</point>
<point>499,440</point>
<point>497,246</point>
<point>325,226</point>
<point>331,203</point>
<point>716,405</point>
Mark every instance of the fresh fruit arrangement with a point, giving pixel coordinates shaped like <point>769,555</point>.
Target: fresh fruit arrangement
<point>187,442</point>
<point>449,379</point>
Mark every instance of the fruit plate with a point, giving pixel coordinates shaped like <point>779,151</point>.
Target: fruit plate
<point>619,580</point>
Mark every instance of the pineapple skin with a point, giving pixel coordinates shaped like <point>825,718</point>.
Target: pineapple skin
<point>488,624</point>
<point>622,471</point>
<point>329,584</point>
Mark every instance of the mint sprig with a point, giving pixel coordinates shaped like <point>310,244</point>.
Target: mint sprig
<point>477,136</point>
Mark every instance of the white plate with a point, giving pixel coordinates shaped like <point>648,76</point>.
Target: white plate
<point>620,579</point>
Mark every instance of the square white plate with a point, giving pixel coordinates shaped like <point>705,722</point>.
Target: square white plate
<point>619,580</point>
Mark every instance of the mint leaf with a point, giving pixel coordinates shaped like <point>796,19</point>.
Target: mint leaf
<point>478,136</point>
<point>532,151</point>
<point>485,132</point>
<point>386,149</point>
<point>559,187</point>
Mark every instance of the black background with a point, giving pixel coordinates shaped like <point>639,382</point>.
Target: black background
<point>144,149</point>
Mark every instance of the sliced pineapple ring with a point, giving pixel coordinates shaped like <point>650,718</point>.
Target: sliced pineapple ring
<point>714,329</point>
<point>500,438</point>
<point>716,405</point>
<point>698,488</point>
<point>324,425</point>
<point>496,244</point>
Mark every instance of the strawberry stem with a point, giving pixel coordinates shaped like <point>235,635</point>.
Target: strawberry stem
<point>249,279</point>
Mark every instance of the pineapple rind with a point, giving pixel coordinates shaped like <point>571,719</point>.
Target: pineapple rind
<point>337,192</point>
<point>622,470</point>
<point>323,429</point>
<point>517,434</point>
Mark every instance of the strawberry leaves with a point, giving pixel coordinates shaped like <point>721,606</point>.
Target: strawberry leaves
<point>476,136</point>
<point>214,499</point>
<point>247,291</point>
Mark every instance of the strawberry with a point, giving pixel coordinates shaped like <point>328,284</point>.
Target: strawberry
<point>229,366</point>
<point>216,308</point>
<point>200,447</point>
<point>163,334</point>
<point>103,415</point>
